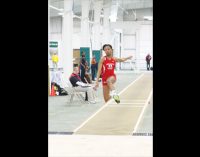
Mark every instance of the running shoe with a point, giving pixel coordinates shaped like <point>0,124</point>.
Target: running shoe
<point>116,98</point>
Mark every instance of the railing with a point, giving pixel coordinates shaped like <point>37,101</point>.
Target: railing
<point>133,65</point>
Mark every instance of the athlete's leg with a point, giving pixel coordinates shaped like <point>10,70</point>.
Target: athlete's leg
<point>106,93</point>
<point>110,81</point>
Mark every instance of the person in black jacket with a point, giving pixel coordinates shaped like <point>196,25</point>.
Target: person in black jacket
<point>81,86</point>
<point>83,67</point>
<point>148,59</point>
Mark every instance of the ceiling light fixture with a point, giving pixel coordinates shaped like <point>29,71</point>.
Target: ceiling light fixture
<point>148,18</point>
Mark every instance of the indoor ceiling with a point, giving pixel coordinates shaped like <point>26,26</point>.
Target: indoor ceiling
<point>128,10</point>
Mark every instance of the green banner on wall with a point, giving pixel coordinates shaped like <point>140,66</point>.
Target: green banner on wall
<point>53,44</point>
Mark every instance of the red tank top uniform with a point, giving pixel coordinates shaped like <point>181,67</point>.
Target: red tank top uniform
<point>108,68</point>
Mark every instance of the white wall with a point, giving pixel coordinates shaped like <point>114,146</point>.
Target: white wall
<point>146,44</point>
<point>56,31</point>
<point>140,32</point>
<point>128,49</point>
<point>56,35</point>
<point>56,28</point>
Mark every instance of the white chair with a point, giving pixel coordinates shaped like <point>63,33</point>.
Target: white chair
<point>72,92</point>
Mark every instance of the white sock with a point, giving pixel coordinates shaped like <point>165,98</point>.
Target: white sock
<point>112,92</point>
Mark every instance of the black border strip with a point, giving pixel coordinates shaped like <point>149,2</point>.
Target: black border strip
<point>60,133</point>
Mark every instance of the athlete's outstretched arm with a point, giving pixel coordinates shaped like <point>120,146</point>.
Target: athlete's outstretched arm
<point>122,59</point>
<point>99,71</point>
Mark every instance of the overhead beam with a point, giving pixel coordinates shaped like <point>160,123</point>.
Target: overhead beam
<point>56,8</point>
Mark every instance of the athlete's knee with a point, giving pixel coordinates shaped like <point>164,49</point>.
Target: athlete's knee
<point>111,79</point>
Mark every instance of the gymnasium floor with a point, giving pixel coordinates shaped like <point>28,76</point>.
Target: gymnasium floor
<point>109,129</point>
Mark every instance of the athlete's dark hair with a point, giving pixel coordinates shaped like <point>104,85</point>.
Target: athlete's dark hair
<point>107,45</point>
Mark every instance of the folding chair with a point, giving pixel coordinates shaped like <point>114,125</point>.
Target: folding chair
<point>72,92</point>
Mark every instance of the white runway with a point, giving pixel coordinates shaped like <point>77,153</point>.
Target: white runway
<point>99,146</point>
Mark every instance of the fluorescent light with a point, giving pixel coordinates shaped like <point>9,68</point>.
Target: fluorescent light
<point>60,13</point>
<point>75,16</point>
<point>118,30</point>
<point>112,18</point>
<point>148,17</point>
